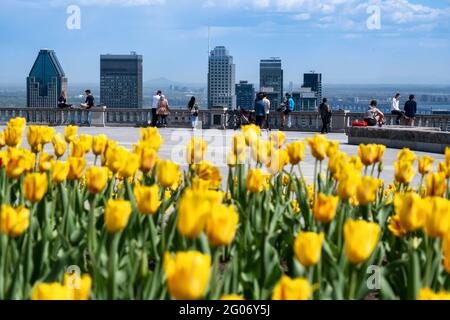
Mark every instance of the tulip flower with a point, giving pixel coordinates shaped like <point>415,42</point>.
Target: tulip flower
<point>70,132</point>
<point>151,138</point>
<point>45,162</point>
<point>380,153</point>
<point>131,165</point>
<point>260,151</point>
<point>221,225</point>
<point>308,248</point>
<point>361,238</point>
<point>14,131</point>
<point>367,190</point>
<point>167,173</point>
<point>368,154</point>
<point>296,152</point>
<point>395,227</point>
<point>348,183</point>
<point>332,148</point>
<point>437,222</point>
<point>96,179</point>
<point>233,159</point>
<point>77,148</point>
<point>255,181</point>
<point>60,171</point>
<point>409,208</point>
<point>34,138</point>
<point>278,160</point>
<point>50,291</point>
<point>19,161</point>
<point>251,133</point>
<point>99,144</point>
<point>35,186</point>
<point>292,289</point>
<point>195,151</point>
<point>59,145</point>
<point>337,164</point>
<point>207,171</point>
<point>318,145</point>
<point>76,167</point>
<point>147,157</point>
<point>187,274</point>
<point>14,221</point>
<point>79,287</point>
<point>238,145</point>
<point>425,165</point>
<point>147,199</point>
<point>324,208</point>
<point>277,139</point>
<point>404,172</point>
<point>436,184</point>
<point>2,139</point>
<point>117,214</point>
<point>406,155</point>
<point>445,169</point>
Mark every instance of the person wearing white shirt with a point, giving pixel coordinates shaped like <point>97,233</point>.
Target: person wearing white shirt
<point>155,103</point>
<point>266,109</point>
<point>395,108</point>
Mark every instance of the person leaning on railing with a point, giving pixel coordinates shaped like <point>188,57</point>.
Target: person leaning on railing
<point>88,105</point>
<point>410,110</point>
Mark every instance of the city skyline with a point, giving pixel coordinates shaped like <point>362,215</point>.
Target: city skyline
<point>331,36</point>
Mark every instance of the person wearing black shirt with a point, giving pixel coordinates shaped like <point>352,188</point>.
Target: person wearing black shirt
<point>325,115</point>
<point>87,105</point>
<point>410,110</point>
<point>62,101</point>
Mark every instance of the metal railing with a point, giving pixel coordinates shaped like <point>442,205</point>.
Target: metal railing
<point>215,118</point>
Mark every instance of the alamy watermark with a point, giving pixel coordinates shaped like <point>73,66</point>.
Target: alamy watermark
<point>74,281</point>
<point>73,21</point>
<point>373,22</point>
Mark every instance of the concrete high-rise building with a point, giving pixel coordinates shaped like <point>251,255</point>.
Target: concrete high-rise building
<point>314,81</point>
<point>221,79</point>
<point>271,80</point>
<point>245,95</point>
<point>45,81</point>
<point>305,100</point>
<point>121,84</point>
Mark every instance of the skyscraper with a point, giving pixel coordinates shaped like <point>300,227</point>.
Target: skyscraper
<point>245,95</point>
<point>221,79</point>
<point>271,80</point>
<point>45,81</point>
<point>314,81</point>
<point>121,80</point>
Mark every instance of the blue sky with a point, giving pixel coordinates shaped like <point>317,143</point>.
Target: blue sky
<point>330,36</point>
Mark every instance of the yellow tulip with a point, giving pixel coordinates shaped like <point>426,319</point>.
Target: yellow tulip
<point>255,180</point>
<point>167,172</point>
<point>116,158</point>
<point>425,165</point>
<point>199,184</point>
<point>308,248</point>
<point>337,164</point>
<point>428,294</point>
<point>277,139</point>
<point>238,144</point>
<point>45,162</point>
<point>332,148</point>
<point>50,291</point>
<point>70,132</point>
<point>76,168</point>
<point>3,159</point>
<point>446,252</point>
<point>361,238</point>
<point>147,199</point>
<point>19,161</point>
<point>292,289</point>
<point>233,159</point>
<point>436,184</point>
<point>60,171</point>
<point>447,156</point>
<point>194,209</point>
<point>324,208</point>
<point>278,160</point>
<point>79,287</point>
<point>195,151</point>
<point>147,156</point>
<point>380,152</point>
<point>318,145</point>
<point>295,206</point>
<point>207,171</point>
<point>96,179</point>
<point>348,183</point>
<point>187,274</point>
<point>437,222</point>
<point>367,190</point>
<point>395,227</point>
<point>131,165</point>
<point>404,172</point>
<point>108,152</point>
<point>221,225</point>
<point>296,152</point>
<point>251,133</point>
<point>47,134</point>
<point>77,148</point>
<point>35,186</point>
<point>368,154</point>
<point>151,138</point>
<point>260,151</point>
<point>86,141</point>
<point>13,136</point>
<point>59,145</point>
<point>2,139</point>
<point>14,221</point>
<point>409,208</point>
<point>117,214</point>
<point>445,169</point>
<point>34,138</point>
<point>99,144</point>
<point>406,155</point>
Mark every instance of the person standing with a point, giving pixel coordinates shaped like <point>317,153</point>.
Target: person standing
<point>87,105</point>
<point>155,102</point>
<point>163,110</point>
<point>193,108</point>
<point>410,110</point>
<point>290,109</point>
<point>395,108</point>
<point>325,115</point>
<point>267,109</point>
<point>260,110</point>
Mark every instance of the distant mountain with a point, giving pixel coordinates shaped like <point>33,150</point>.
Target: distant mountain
<point>164,83</point>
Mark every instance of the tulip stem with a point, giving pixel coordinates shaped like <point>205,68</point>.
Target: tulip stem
<point>352,286</point>
<point>315,178</point>
<point>112,267</point>
<point>91,227</point>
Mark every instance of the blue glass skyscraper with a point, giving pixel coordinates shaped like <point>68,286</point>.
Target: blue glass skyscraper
<point>46,81</point>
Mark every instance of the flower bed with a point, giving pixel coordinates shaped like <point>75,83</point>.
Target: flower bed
<point>132,226</point>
